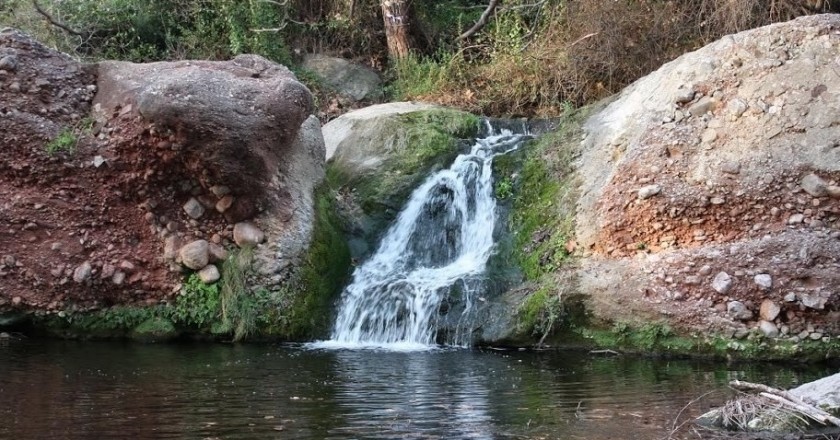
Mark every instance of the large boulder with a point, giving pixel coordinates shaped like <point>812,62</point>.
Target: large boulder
<point>351,80</point>
<point>379,154</point>
<point>738,139</point>
<point>104,189</point>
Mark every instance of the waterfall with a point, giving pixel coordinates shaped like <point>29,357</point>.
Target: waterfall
<point>437,249</point>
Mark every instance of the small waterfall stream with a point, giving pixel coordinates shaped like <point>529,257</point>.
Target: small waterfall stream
<point>438,247</point>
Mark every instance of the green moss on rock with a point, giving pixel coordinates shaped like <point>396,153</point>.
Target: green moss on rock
<point>155,329</point>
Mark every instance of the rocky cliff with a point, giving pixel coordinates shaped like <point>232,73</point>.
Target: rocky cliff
<point>120,180</point>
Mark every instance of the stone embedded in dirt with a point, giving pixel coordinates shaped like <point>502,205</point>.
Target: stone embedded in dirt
<point>649,191</point>
<point>127,266</point>
<point>224,204</point>
<point>702,106</point>
<point>107,271</point>
<point>722,282</point>
<point>796,219</point>
<point>833,191</point>
<point>705,270</point>
<point>812,301</point>
<point>209,275</point>
<point>247,234</point>
<point>195,255</point>
<point>769,310</point>
<point>219,190</point>
<point>737,310</point>
<point>8,63</point>
<point>736,108</point>
<point>768,329</point>
<point>684,95</point>
<point>170,247</point>
<point>730,167</point>
<point>764,281</point>
<point>814,185</point>
<point>194,208</point>
<point>17,300</point>
<point>82,273</point>
<point>790,297</point>
<point>709,135</point>
<point>118,278</point>
<point>217,253</point>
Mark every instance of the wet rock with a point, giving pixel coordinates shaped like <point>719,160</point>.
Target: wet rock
<point>769,310</point>
<point>194,208</point>
<point>247,234</point>
<point>209,275</point>
<point>649,191</point>
<point>82,273</point>
<point>737,310</point>
<point>195,255</point>
<point>768,329</point>
<point>764,281</point>
<point>722,282</point>
<point>814,185</point>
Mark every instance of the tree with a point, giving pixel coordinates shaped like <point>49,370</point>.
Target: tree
<point>395,13</point>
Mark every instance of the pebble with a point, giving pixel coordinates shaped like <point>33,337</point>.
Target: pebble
<point>247,234</point>
<point>217,253</point>
<point>649,191</point>
<point>790,297</point>
<point>705,270</point>
<point>195,255</point>
<point>82,273</point>
<point>722,282</point>
<point>768,329</point>
<point>224,203</point>
<point>209,274</point>
<point>219,190</point>
<point>764,281</point>
<point>814,185</point>
<point>769,310</point>
<point>118,278</point>
<point>833,191</point>
<point>8,63</point>
<point>796,219</point>
<point>193,208</point>
<point>737,310</point>
<point>730,167</point>
<point>702,106</point>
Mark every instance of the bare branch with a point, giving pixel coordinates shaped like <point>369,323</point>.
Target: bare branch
<point>55,22</point>
<point>482,21</point>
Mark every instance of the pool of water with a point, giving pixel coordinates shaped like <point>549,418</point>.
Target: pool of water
<point>95,390</point>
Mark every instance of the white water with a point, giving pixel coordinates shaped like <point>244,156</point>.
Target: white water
<point>439,245</point>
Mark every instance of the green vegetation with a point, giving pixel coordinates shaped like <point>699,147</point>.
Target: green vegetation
<point>65,142</point>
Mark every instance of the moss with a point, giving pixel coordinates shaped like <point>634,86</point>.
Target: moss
<point>323,273</point>
<point>155,329</point>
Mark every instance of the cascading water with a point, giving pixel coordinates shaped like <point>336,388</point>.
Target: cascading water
<point>438,246</point>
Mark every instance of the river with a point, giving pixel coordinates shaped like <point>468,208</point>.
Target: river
<point>106,390</point>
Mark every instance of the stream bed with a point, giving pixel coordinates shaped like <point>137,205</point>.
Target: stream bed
<point>109,390</point>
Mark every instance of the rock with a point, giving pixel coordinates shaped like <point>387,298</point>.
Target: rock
<point>194,208</point>
<point>195,255</point>
<point>764,281</point>
<point>352,80</point>
<point>833,191</point>
<point>796,219</point>
<point>730,167</point>
<point>82,273</point>
<point>649,191</point>
<point>737,310</point>
<point>118,279</point>
<point>790,297</point>
<point>224,203</point>
<point>217,253</point>
<point>814,185</point>
<point>768,329</point>
<point>247,234</point>
<point>709,135</point>
<point>219,190</point>
<point>684,95</point>
<point>170,247</point>
<point>812,301</point>
<point>722,282</point>
<point>17,300</point>
<point>769,310</point>
<point>9,63</point>
<point>736,107</point>
<point>107,271</point>
<point>209,275</point>
<point>702,106</point>
<point>705,270</point>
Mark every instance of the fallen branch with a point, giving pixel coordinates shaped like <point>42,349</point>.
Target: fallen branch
<point>482,21</point>
<point>805,409</point>
<point>55,22</point>
<point>749,386</point>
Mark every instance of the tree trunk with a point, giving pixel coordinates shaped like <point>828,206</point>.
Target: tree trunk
<point>395,14</point>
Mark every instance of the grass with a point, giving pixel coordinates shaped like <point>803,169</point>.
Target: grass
<point>239,313</point>
<point>65,142</point>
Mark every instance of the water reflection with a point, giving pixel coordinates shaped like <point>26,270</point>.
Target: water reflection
<point>68,390</point>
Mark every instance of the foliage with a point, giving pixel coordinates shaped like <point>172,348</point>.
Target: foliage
<point>504,188</point>
<point>198,305</point>
<point>239,309</point>
<point>541,312</point>
<point>65,142</point>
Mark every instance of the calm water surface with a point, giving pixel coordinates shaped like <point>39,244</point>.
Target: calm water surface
<point>92,390</point>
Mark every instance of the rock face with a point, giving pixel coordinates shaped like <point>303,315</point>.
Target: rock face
<point>352,80</point>
<point>383,152</point>
<point>110,169</point>
<point>734,147</point>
